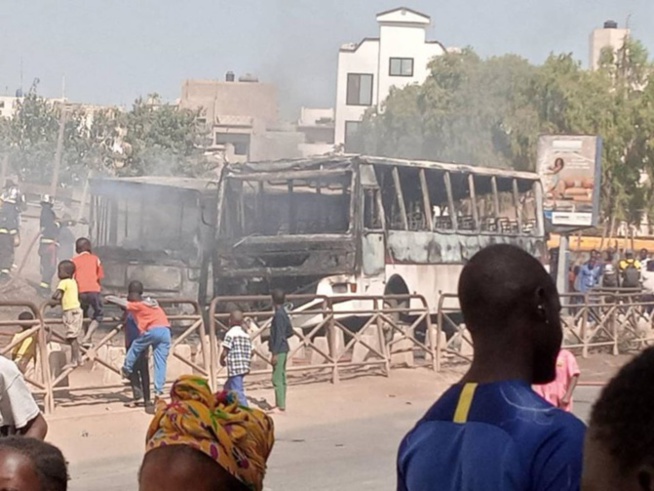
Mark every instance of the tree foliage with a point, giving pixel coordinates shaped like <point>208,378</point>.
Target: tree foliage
<point>151,138</point>
<point>491,112</point>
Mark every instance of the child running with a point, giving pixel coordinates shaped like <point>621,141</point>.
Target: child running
<point>88,274</point>
<point>154,331</point>
<point>236,355</point>
<point>140,378</point>
<point>67,295</point>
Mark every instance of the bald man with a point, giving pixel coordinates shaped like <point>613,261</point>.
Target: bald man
<point>491,431</point>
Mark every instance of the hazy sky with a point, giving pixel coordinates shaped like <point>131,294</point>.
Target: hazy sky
<point>111,51</point>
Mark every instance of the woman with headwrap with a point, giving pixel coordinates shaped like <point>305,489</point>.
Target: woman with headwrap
<point>205,442</point>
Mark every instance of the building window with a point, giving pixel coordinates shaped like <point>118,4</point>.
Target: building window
<point>352,143</point>
<point>240,141</point>
<point>359,89</point>
<point>401,67</point>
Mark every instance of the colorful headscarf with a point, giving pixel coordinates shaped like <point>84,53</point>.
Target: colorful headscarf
<point>239,439</point>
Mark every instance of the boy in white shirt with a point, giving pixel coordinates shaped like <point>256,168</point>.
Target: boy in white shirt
<point>236,356</point>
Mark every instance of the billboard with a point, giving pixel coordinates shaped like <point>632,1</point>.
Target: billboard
<point>570,170</point>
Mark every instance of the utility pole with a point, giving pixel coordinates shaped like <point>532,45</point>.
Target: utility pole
<point>59,151</point>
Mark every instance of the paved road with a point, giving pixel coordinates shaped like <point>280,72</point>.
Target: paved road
<point>353,455</point>
<point>317,458</point>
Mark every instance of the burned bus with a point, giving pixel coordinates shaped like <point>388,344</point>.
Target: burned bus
<point>159,230</point>
<point>366,225</point>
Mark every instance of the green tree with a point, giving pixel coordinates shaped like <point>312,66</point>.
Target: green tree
<point>151,138</point>
<point>491,112</point>
<point>162,139</point>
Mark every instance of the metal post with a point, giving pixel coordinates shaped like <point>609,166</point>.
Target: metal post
<point>562,266</point>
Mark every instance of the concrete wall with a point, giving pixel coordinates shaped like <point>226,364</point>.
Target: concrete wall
<point>605,38</point>
<point>363,59</point>
<point>253,99</point>
<point>274,145</point>
<point>404,41</point>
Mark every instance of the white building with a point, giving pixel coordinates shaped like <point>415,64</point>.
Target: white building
<point>367,70</point>
<point>608,37</point>
<point>9,106</point>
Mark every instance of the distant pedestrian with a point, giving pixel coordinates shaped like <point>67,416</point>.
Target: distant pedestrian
<point>236,356</point>
<point>29,464</point>
<point>491,431</point>
<point>140,377</point>
<point>643,257</point>
<point>280,330</point>
<point>67,295</point>
<point>559,392</point>
<point>48,243</point>
<point>630,271</point>
<point>154,331</point>
<point>19,414</point>
<point>619,452</point>
<point>589,274</point>
<point>24,353</point>
<point>610,278</point>
<point>205,442</point>
<point>66,238</point>
<point>12,201</point>
<point>89,274</point>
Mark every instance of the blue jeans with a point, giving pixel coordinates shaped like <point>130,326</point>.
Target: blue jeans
<point>235,384</point>
<point>159,339</point>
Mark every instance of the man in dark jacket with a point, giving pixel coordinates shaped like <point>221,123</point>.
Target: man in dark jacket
<point>280,330</point>
<point>49,243</point>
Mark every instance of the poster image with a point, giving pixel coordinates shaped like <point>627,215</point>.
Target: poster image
<point>569,167</point>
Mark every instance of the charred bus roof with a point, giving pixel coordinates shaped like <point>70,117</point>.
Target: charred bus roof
<point>345,163</point>
<point>109,186</point>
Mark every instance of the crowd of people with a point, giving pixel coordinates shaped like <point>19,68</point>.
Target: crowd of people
<point>610,271</point>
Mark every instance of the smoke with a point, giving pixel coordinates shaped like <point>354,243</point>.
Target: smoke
<point>152,46</point>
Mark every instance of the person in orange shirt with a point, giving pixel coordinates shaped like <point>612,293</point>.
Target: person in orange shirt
<point>154,330</point>
<point>88,274</point>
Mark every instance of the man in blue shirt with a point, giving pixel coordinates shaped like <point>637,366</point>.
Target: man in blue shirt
<point>589,274</point>
<point>491,431</point>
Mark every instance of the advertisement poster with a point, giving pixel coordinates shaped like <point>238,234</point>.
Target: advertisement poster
<point>570,170</point>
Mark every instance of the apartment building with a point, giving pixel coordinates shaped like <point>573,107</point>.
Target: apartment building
<point>367,70</point>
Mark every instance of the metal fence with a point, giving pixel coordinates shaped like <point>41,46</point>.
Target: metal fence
<point>335,333</point>
<point>618,320</point>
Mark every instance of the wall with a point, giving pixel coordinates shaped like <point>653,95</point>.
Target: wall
<point>404,41</point>
<point>254,99</point>
<point>275,145</point>
<point>363,59</point>
<point>602,38</point>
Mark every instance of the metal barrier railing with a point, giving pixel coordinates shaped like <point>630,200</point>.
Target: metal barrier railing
<point>42,366</point>
<point>621,320</point>
<point>52,325</point>
<point>197,327</point>
<point>331,328</point>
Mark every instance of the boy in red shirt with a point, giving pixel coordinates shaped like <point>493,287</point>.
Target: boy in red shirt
<point>88,274</point>
<point>154,330</point>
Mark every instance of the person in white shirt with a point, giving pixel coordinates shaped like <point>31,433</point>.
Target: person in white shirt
<point>236,356</point>
<point>19,413</point>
